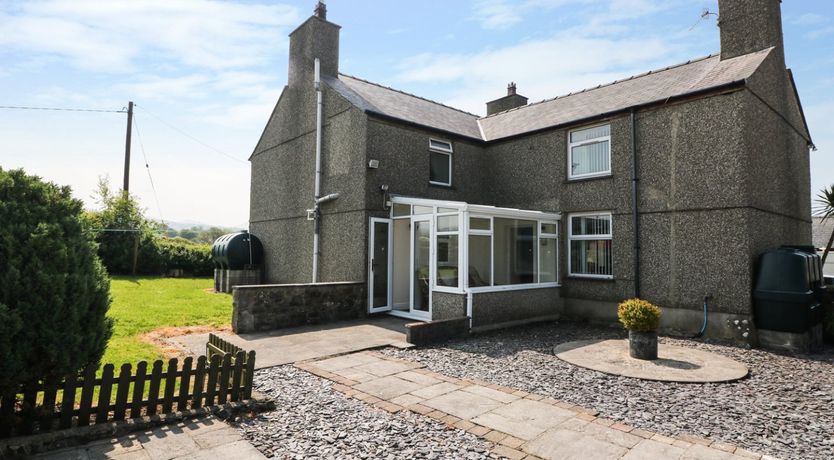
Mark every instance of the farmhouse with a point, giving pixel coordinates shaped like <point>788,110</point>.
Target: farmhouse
<point>666,185</point>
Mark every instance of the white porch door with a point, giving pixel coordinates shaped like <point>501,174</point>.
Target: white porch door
<point>422,256</point>
<point>379,265</point>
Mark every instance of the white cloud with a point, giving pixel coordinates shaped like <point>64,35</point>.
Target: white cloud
<point>497,14</point>
<point>809,19</point>
<point>542,68</point>
<point>113,36</point>
<point>504,14</point>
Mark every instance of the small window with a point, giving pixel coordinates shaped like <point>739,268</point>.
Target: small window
<point>590,245</point>
<point>440,162</point>
<point>401,210</point>
<point>589,152</point>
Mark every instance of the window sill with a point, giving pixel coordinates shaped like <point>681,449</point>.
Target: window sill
<point>439,185</point>
<point>591,278</point>
<point>512,287</point>
<point>589,178</point>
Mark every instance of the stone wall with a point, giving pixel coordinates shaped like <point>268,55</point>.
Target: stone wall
<point>275,306</point>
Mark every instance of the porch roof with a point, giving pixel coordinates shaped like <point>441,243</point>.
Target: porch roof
<point>478,208</point>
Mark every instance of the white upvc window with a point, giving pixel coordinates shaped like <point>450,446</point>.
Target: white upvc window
<point>448,249</point>
<point>590,245</point>
<point>504,251</point>
<point>589,152</point>
<point>440,162</point>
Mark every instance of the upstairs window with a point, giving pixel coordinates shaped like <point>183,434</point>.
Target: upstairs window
<point>440,162</point>
<point>589,152</point>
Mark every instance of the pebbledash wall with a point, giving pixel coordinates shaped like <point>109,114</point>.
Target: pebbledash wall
<point>721,176</point>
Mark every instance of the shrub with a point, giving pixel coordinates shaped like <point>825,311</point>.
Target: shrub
<point>639,315</point>
<point>54,292</point>
<point>192,258</point>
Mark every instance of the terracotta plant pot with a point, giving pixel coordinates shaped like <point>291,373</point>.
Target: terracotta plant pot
<point>642,345</point>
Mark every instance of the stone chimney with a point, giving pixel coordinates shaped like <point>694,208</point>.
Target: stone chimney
<point>315,38</point>
<point>748,26</point>
<point>510,101</point>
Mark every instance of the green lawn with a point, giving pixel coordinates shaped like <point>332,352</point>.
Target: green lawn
<point>144,304</point>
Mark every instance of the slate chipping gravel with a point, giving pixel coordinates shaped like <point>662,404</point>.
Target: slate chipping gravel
<point>785,408</point>
<point>313,420</point>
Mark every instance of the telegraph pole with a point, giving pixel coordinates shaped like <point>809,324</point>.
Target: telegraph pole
<point>126,187</point>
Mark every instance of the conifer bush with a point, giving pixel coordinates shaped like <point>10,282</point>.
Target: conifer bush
<point>639,315</point>
<point>54,291</point>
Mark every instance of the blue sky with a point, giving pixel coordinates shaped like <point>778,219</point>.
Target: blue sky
<point>214,69</point>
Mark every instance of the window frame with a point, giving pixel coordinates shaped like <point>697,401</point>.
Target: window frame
<point>571,145</point>
<point>571,237</point>
<point>492,287</point>
<point>442,151</point>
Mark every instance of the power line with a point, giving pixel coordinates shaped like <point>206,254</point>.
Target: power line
<point>190,136</point>
<point>61,109</point>
<point>148,169</point>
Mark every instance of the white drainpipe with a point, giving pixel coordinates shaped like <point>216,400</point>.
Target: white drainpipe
<point>317,193</point>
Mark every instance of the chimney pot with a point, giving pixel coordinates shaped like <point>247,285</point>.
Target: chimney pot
<point>321,10</point>
<point>511,88</point>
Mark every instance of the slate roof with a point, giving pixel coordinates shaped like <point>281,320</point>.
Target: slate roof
<point>408,107</point>
<point>821,231</point>
<point>656,86</point>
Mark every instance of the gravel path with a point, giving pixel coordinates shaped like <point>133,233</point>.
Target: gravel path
<point>784,408</point>
<point>315,421</point>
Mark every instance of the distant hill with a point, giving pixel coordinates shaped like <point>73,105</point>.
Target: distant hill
<point>188,224</point>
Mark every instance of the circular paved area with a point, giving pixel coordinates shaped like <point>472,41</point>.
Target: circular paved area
<point>674,364</point>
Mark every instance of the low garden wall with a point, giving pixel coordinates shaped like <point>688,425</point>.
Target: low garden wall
<point>274,306</point>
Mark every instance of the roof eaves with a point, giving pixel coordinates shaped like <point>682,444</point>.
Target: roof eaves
<point>801,110</point>
<point>386,116</point>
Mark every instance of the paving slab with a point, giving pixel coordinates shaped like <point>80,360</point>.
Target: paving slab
<point>559,444</point>
<point>388,387</point>
<point>648,449</point>
<point>436,390</point>
<point>208,438</point>
<point>384,368</point>
<point>523,418</point>
<point>674,364</point>
<point>291,345</point>
<point>463,404</point>
<point>520,423</point>
<point>505,398</point>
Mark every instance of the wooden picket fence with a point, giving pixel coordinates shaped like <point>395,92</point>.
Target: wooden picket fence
<point>224,377</point>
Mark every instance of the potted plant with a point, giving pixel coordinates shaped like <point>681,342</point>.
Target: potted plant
<point>642,319</point>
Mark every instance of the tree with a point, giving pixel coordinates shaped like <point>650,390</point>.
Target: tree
<point>208,236</point>
<point>54,292</point>
<point>825,199</point>
<point>123,233</point>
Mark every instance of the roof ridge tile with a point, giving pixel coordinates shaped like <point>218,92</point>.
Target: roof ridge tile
<point>603,85</point>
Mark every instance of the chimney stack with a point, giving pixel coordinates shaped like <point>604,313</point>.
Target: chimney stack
<point>748,26</point>
<point>315,38</point>
<point>321,10</point>
<point>510,101</point>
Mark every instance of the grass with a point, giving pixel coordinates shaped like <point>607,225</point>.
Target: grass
<point>144,304</point>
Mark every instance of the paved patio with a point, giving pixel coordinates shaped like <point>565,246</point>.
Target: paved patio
<point>210,439</point>
<point>291,345</point>
<point>523,425</point>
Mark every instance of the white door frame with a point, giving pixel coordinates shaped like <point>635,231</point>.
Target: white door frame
<point>371,279</point>
<point>429,219</point>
